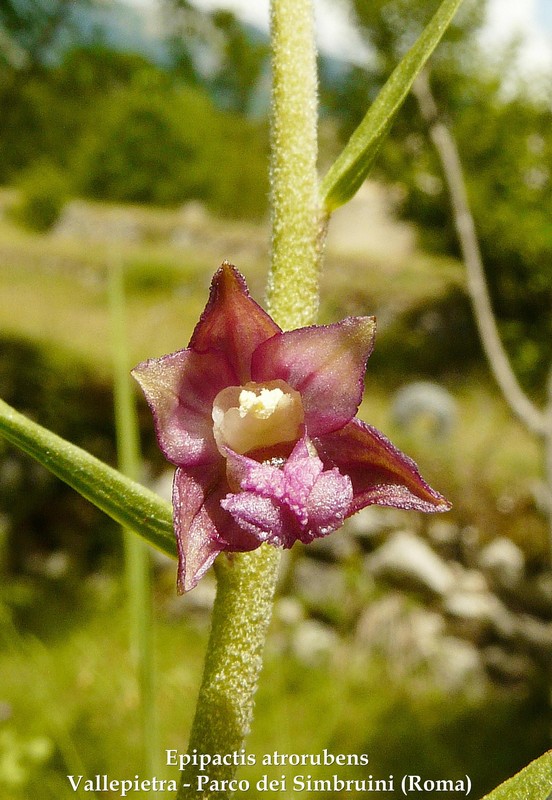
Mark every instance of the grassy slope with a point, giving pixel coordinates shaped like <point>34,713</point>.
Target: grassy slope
<point>52,287</point>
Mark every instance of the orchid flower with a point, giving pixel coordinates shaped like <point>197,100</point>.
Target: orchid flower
<point>261,426</point>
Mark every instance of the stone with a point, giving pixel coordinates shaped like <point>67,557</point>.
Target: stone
<point>458,666</point>
<point>503,562</point>
<point>401,631</point>
<point>407,561</point>
<point>319,585</point>
<point>338,547</point>
<point>312,641</point>
<point>423,403</point>
<point>371,524</point>
<point>477,613</point>
<point>507,668</point>
<point>535,635</point>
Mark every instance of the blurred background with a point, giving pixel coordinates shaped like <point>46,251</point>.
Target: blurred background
<point>137,134</point>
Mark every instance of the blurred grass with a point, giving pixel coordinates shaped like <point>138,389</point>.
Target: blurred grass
<point>53,287</point>
<point>70,706</point>
<point>54,293</point>
<point>78,692</point>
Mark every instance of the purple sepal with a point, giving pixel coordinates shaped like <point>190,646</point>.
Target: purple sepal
<point>380,473</point>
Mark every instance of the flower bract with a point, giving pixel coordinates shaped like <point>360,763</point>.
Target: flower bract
<point>261,426</point>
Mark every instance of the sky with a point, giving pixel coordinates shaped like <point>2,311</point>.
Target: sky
<point>336,36</point>
<point>531,18</point>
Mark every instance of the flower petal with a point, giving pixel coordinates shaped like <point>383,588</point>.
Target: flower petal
<point>197,539</point>
<point>298,501</point>
<point>329,502</point>
<point>262,517</point>
<point>203,528</point>
<point>325,364</point>
<point>180,389</point>
<point>380,473</point>
<point>232,322</point>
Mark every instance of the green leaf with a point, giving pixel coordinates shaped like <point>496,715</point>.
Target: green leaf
<point>126,501</point>
<point>532,783</point>
<point>349,171</point>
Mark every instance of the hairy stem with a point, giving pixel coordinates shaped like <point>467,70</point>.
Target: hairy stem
<point>224,711</point>
<point>296,215</point>
<point>246,581</point>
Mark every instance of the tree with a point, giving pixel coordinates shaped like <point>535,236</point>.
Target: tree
<point>506,162</point>
<point>29,30</point>
<point>29,34</point>
<point>224,55</point>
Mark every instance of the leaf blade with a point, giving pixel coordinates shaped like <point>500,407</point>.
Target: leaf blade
<point>351,167</point>
<point>533,782</point>
<point>124,500</point>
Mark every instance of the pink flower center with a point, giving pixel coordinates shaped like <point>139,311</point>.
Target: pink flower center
<point>257,416</point>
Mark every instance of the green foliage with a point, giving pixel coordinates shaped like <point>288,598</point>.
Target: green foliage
<point>148,145</point>
<point>129,131</point>
<point>30,29</point>
<point>506,148</point>
<point>531,782</point>
<point>45,111</point>
<point>158,143</point>
<point>127,502</point>
<point>148,276</point>
<point>241,63</point>
<point>68,714</point>
<point>43,192</point>
<point>351,168</point>
<point>392,26</point>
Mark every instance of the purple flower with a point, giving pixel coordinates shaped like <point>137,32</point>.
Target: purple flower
<point>261,426</point>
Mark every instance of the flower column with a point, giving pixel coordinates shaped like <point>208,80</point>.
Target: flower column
<point>246,581</point>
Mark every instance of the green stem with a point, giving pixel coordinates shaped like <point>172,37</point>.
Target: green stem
<point>296,214</point>
<point>137,559</point>
<point>241,615</point>
<point>246,581</point>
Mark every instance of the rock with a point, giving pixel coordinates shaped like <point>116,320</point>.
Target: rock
<point>312,641</point>
<point>289,611</point>
<point>371,524</point>
<point>503,562</point>
<point>443,532</point>
<point>54,565</point>
<point>366,224</point>
<point>507,668</point>
<point>535,635</point>
<point>427,403</point>
<point>543,589</point>
<point>338,547</point>
<point>458,666</point>
<point>197,603</point>
<point>410,637</point>
<point>320,586</point>
<point>98,223</point>
<point>407,561</point>
<point>402,632</point>
<point>475,612</point>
